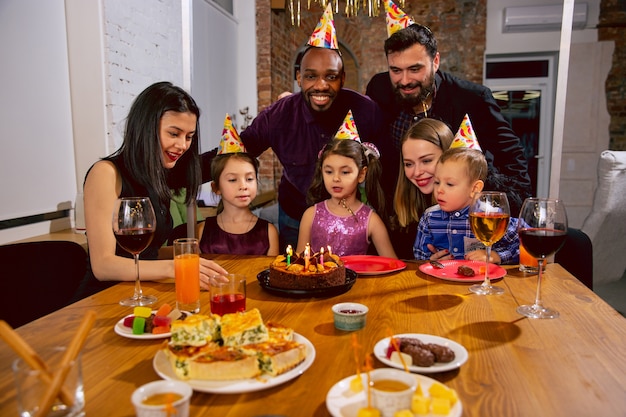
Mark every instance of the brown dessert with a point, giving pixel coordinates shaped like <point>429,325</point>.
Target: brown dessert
<point>296,276</point>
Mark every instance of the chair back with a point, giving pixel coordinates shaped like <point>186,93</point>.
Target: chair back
<point>606,224</point>
<point>38,278</point>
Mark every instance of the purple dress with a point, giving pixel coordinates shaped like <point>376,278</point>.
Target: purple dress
<point>346,235</point>
<point>216,240</point>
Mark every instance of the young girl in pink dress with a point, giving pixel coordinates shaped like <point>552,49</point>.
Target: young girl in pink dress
<point>339,218</point>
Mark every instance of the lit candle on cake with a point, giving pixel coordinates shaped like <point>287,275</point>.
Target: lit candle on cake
<point>330,252</point>
<point>289,254</point>
<point>322,257</point>
<point>307,256</point>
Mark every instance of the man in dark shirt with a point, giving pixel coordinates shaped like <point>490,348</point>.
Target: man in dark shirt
<point>415,88</point>
<point>298,126</point>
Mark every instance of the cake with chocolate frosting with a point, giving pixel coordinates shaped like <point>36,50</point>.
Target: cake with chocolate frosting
<point>296,276</point>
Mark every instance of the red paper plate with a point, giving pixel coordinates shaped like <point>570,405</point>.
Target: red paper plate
<point>449,273</point>
<point>372,265</point>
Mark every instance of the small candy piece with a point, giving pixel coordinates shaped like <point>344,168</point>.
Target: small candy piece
<point>395,357</point>
<point>139,323</point>
<point>162,321</point>
<point>161,329</point>
<point>390,350</point>
<point>403,413</point>
<point>420,404</point>
<point>128,321</point>
<point>438,390</point>
<point>164,310</point>
<point>441,406</point>
<point>174,314</point>
<point>356,384</point>
<point>368,412</point>
<point>142,311</point>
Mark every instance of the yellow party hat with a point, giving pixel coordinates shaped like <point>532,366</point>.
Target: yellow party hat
<point>230,142</point>
<point>465,137</point>
<point>324,35</point>
<point>348,130</point>
<point>396,18</point>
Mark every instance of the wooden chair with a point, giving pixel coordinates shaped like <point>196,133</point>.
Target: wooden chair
<point>38,278</point>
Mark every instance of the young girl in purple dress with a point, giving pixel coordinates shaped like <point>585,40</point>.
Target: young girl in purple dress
<point>339,218</point>
<point>235,229</point>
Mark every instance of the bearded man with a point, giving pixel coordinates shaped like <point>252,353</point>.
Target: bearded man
<point>415,88</point>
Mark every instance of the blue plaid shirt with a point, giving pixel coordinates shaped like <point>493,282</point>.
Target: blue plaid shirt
<point>448,230</point>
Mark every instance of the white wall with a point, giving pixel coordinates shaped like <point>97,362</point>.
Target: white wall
<point>586,119</point>
<point>508,43</point>
<point>37,160</point>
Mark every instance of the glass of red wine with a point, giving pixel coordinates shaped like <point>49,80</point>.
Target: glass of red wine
<point>542,231</point>
<point>134,224</point>
<point>489,216</point>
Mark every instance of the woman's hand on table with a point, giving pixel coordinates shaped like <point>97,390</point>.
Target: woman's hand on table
<point>211,271</point>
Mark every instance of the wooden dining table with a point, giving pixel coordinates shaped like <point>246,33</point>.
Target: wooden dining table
<point>574,365</point>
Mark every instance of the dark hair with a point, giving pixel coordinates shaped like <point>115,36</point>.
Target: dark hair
<point>219,163</point>
<point>409,202</point>
<point>473,159</point>
<point>363,158</point>
<point>141,149</point>
<point>409,36</point>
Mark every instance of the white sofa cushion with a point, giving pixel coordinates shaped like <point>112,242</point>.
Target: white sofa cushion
<point>606,224</point>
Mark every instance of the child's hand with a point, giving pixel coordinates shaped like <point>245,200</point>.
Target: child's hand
<point>439,255</point>
<point>481,254</point>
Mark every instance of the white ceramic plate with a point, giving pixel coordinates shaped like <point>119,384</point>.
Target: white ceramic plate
<point>460,353</point>
<point>128,332</point>
<point>342,402</point>
<point>163,367</point>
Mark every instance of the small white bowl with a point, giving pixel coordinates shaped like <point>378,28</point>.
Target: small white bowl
<point>161,387</point>
<point>350,316</point>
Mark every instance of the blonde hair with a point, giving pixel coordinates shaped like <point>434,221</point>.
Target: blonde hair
<point>409,203</point>
<point>473,159</point>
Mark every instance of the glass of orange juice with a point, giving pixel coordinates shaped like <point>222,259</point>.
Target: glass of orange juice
<point>187,274</point>
<point>527,262</point>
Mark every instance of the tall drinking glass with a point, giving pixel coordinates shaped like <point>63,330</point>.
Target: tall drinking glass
<point>489,216</point>
<point>134,224</point>
<point>542,231</point>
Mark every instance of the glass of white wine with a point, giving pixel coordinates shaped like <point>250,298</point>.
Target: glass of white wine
<point>489,216</point>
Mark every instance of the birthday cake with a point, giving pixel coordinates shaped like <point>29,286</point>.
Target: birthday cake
<point>298,273</point>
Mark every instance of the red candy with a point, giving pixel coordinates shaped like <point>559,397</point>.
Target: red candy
<point>128,321</point>
<point>161,321</point>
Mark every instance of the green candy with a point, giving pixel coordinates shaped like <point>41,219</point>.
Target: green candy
<point>139,324</point>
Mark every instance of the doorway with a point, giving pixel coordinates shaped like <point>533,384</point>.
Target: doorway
<point>524,87</point>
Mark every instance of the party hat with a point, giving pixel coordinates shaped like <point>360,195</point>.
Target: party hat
<point>324,35</point>
<point>465,137</point>
<point>396,18</point>
<point>348,130</point>
<point>230,142</point>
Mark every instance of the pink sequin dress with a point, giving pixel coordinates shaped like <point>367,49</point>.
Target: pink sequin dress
<point>346,235</point>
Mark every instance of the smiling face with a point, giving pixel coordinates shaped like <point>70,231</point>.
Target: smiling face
<point>341,176</point>
<point>419,158</point>
<point>453,187</point>
<point>237,183</point>
<point>176,131</point>
<point>412,74</point>
<point>320,77</point>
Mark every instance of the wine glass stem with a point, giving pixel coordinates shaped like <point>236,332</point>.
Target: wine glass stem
<point>486,282</point>
<point>138,292</point>
<point>538,305</point>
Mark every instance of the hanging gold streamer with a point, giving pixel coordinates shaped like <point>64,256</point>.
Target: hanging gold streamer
<point>351,9</point>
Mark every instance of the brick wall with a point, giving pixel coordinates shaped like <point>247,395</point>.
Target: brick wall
<point>612,26</point>
<point>459,25</point>
<point>138,52</point>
